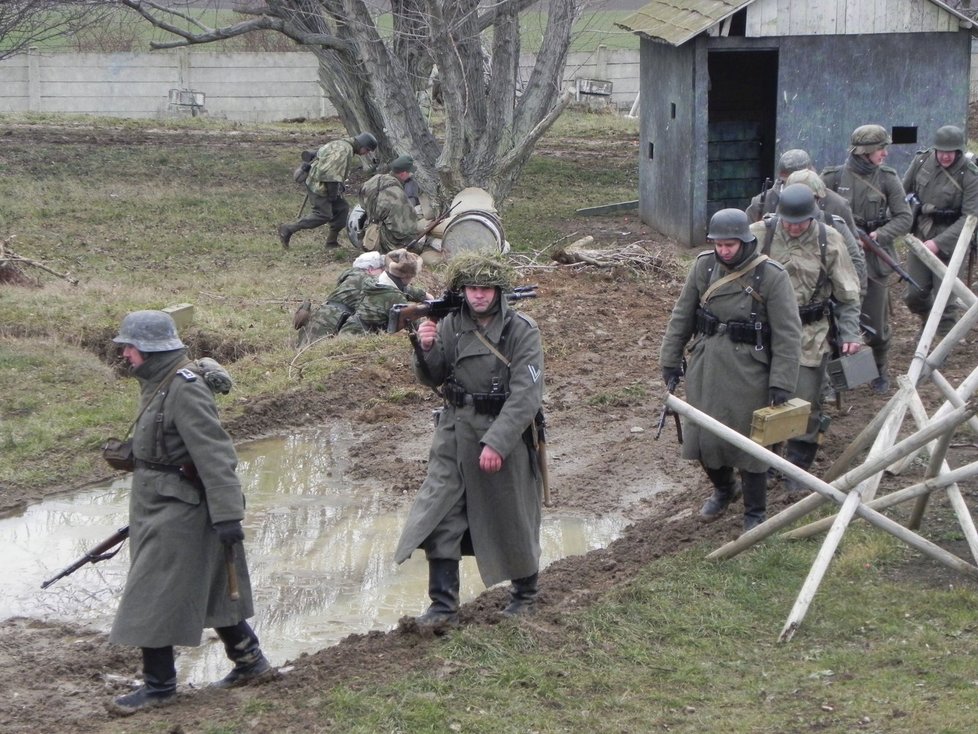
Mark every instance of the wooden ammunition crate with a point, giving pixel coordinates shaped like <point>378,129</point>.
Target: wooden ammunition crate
<point>779,423</point>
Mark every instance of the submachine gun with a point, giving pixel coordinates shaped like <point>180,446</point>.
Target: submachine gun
<point>403,314</point>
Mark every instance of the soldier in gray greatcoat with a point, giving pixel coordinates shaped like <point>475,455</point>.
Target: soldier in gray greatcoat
<point>944,182</point>
<point>738,315</point>
<point>185,512</point>
<point>482,493</point>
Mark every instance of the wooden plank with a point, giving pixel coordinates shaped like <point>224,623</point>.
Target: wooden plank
<point>620,206</point>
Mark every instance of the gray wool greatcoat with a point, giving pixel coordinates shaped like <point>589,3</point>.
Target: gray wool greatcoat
<point>503,509</point>
<point>725,379</point>
<point>177,583</point>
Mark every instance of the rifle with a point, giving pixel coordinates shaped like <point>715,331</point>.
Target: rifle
<point>538,430</point>
<point>667,411</point>
<point>402,314</point>
<point>871,245</point>
<point>94,555</point>
<point>438,220</point>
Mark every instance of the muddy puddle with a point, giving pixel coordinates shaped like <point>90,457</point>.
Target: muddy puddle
<point>320,550</point>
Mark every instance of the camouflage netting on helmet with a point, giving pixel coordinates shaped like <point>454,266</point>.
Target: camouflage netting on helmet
<point>480,268</point>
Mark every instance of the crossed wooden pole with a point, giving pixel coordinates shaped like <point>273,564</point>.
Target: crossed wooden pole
<point>855,490</point>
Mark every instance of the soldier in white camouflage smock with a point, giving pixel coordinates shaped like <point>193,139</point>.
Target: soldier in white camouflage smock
<point>393,286</point>
<point>325,182</point>
<point>343,299</point>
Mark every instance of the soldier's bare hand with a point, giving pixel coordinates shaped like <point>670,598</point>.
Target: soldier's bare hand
<point>427,333</point>
<point>932,246</point>
<point>851,347</point>
<point>490,461</point>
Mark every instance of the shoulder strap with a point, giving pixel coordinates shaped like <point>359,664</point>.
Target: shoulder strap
<point>758,259</point>
<point>164,384</point>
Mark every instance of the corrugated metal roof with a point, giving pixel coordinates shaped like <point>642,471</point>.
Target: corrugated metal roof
<point>675,22</point>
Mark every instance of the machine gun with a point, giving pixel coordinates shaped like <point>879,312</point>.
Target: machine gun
<point>402,314</point>
<point>871,245</point>
<point>99,553</point>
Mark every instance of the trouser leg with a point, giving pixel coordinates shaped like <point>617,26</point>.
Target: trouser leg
<point>876,314</point>
<point>242,648</point>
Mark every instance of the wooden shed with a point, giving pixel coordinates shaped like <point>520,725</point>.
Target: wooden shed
<point>727,86</point>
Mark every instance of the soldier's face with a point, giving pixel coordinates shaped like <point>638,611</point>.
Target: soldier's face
<point>878,156</point>
<point>132,355</point>
<point>480,297</point>
<point>727,250</point>
<point>796,229</point>
<point>946,157</point>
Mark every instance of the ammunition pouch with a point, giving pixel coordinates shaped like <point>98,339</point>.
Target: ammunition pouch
<point>484,403</point>
<point>757,333</point>
<point>812,312</point>
<point>118,454</point>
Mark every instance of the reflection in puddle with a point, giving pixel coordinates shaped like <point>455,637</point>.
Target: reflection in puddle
<point>320,549</point>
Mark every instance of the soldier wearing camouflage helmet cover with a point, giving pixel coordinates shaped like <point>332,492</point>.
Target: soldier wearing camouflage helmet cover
<point>185,510</point>
<point>737,322</point>
<point>945,183</point>
<point>879,207</point>
<point>325,183</point>
<point>481,496</point>
<point>766,202</point>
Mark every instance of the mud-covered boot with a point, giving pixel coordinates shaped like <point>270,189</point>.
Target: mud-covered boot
<point>242,648</point>
<point>332,239</point>
<point>443,586</point>
<point>754,486</point>
<point>801,454</point>
<point>159,683</point>
<point>284,235</point>
<point>726,490</point>
<point>522,597</point>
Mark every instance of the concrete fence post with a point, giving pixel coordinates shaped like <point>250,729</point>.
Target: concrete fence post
<point>33,79</point>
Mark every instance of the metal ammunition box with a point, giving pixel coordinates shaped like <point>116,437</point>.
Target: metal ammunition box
<point>780,422</point>
<point>852,370</point>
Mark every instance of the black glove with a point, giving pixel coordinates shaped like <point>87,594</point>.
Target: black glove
<point>777,396</point>
<point>229,532</point>
<point>671,375</point>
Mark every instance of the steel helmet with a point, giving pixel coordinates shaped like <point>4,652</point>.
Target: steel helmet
<point>797,203</point>
<point>356,222</point>
<point>730,224</point>
<point>949,137</point>
<point>480,268</point>
<point>793,160</point>
<point>149,331</point>
<point>365,140</point>
<point>868,139</point>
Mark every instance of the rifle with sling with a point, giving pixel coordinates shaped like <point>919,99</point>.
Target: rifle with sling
<point>98,553</point>
<point>667,411</point>
<point>871,245</point>
<point>431,228</point>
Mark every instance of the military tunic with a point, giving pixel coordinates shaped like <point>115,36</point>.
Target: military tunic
<point>946,190</point>
<point>879,205</point>
<point>177,583</point>
<point>502,509</point>
<point>729,380</point>
<point>376,299</point>
<point>324,182</point>
<point>338,306</point>
<point>386,204</point>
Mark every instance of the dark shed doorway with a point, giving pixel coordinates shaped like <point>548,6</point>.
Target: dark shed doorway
<point>742,111</point>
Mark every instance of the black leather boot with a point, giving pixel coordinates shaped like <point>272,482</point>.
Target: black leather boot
<point>726,490</point>
<point>522,597</point>
<point>241,646</point>
<point>332,239</point>
<point>801,454</point>
<point>284,235</point>
<point>754,486</point>
<point>443,586</point>
<point>159,682</point>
